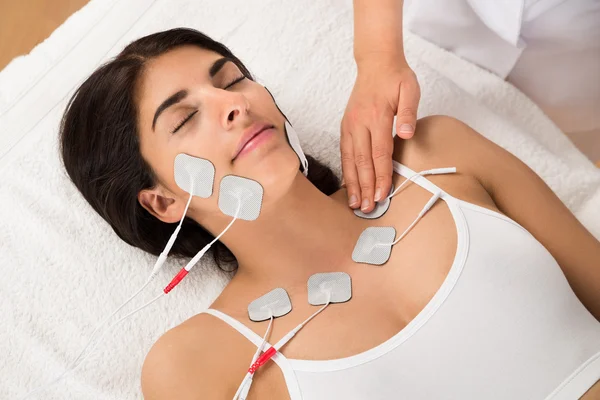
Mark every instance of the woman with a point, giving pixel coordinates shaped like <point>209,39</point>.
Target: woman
<point>469,305</point>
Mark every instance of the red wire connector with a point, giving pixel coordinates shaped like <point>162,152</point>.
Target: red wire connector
<point>264,357</point>
<point>176,280</point>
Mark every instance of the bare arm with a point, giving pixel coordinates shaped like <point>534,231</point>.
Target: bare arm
<point>169,373</point>
<point>377,28</point>
<point>385,86</point>
<point>189,363</point>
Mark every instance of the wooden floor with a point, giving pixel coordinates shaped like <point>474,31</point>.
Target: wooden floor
<point>25,23</point>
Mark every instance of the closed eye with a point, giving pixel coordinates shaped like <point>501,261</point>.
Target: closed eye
<point>235,81</point>
<point>186,119</point>
<point>190,115</point>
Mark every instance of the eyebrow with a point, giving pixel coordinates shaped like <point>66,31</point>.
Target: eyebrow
<point>182,94</point>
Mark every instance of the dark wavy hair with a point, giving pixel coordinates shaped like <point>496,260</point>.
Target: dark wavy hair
<point>100,148</point>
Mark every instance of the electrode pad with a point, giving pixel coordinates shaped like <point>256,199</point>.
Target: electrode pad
<point>335,285</point>
<point>200,171</point>
<point>369,248</point>
<point>276,303</point>
<point>295,143</point>
<point>380,207</point>
<point>235,189</point>
<point>292,138</point>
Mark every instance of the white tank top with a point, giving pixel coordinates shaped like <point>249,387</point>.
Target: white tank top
<point>504,324</point>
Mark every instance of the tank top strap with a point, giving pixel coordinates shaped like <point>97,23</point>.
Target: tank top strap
<point>288,373</point>
<point>238,326</point>
<point>419,180</point>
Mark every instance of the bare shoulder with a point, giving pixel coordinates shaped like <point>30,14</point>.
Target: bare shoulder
<point>443,140</point>
<point>187,362</point>
<point>440,140</point>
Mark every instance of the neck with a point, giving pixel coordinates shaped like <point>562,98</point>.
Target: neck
<point>301,233</point>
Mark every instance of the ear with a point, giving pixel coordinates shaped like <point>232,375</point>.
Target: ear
<point>161,205</point>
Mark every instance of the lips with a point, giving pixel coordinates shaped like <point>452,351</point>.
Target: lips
<point>248,134</point>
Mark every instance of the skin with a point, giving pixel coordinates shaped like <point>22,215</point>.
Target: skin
<point>385,86</point>
<point>205,358</point>
<point>213,134</point>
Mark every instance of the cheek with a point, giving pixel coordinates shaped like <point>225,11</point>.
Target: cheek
<point>161,161</point>
<point>268,108</point>
<point>197,145</point>
<point>201,145</point>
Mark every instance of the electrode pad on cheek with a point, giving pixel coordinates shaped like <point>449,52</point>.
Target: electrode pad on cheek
<point>245,193</point>
<point>333,286</point>
<point>276,303</point>
<point>380,208</point>
<point>374,245</point>
<point>195,172</point>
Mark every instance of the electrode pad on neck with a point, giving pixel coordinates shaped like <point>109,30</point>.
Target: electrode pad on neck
<point>333,286</point>
<point>374,245</point>
<point>245,193</point>
<point>380,207</point>
<point>197,170</point>
<point>276,303</point>
<point>292,137</point>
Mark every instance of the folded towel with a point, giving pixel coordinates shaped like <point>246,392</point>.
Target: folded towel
<point>64,269</point>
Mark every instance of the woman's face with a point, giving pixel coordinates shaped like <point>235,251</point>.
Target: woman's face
<point>205,109</point>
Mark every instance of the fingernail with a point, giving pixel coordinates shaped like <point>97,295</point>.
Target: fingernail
<point>353,200</point>
<point>378,194</point>
<point>406,128</point>
<point>365,204</point>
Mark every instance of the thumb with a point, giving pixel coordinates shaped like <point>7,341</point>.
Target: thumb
<point>408,102</point>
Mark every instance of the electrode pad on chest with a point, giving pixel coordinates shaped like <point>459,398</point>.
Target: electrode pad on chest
<point>374,245</point>
<point>194,172</point>
<point>276,303</point>
<point>380,207</point>
<point>333,286</point>
<point>245,193</point>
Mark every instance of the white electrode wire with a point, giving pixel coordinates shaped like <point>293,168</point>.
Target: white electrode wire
<point>429,204</point>
<point>435,171</point>
<point>318,311</point>
<point>73,368</point>
<point>130,298</point>
<point>201,253</point>
<point>185,270</point>
<point>244,387</point>
<point>291,334</point>
<point>262,345</point>
<point>163,255</point>
<point>157,266</point>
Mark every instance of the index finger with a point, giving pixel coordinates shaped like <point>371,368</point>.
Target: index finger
<point>408,102</point>
<point>364,166</point>
<point>382,143</point>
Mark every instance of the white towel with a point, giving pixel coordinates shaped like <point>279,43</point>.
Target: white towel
<point>63,269</point>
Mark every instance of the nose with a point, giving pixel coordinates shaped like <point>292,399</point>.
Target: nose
<point>234,109</point>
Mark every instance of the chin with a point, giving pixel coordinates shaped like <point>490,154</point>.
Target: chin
<point>275,172</point>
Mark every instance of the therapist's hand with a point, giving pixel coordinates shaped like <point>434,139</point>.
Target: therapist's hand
<point>384,87</point>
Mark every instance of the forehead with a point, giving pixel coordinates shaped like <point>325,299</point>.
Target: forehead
<point>181,60</point>
<point>172,71</point>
